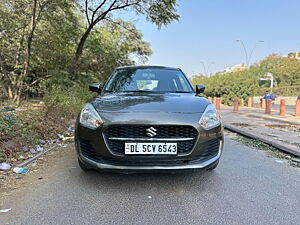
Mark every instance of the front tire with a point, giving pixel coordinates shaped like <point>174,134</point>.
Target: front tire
<point>83,166</point>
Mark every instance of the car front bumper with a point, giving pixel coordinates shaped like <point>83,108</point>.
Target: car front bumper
<point>94,151</point>
<point>119,167</point>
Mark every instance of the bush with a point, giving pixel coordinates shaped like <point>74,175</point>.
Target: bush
<point>66,102</point>
<point>27,128</point>
<point>2,155</point>
<point>7,123</point>
<point>32,124</point>
<point>229,85</point>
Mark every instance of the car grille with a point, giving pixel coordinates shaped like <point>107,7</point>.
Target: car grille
<point>88,150</point>
<point>211,149</point>
<point>163,132</point>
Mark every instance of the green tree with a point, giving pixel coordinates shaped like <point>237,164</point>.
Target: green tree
<point>20,21</point>
<point>286,71</point>
<point>52,42</point>
<point>160,13</point>
<point>110,45</point>
<point>229,85</point>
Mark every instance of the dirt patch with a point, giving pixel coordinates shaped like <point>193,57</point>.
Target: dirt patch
<point>16,186</point>
<point>296,144</point>
<point>241,124</point>
<point>284,127</point>
<point>24,132</point>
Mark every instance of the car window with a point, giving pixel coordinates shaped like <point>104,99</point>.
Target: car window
<point>154,80</point>
<point>182,82</point>
<point>147,84</point>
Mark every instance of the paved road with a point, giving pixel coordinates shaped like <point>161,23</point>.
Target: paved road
<point>247,188</point>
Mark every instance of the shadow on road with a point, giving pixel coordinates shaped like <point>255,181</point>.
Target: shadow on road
<point>136,183</point>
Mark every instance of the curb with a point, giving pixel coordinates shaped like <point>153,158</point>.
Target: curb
<point>26,162</point>
<point>282,147</point>
<point>272,119</point>
<point>262,116</point>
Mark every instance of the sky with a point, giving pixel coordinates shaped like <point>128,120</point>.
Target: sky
<point>208,29</point>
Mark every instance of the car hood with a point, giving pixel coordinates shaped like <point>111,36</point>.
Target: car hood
<point>150,102</point>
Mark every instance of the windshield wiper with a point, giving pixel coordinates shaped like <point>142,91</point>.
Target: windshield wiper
<point>181,92</point>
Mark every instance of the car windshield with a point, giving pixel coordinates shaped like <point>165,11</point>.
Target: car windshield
<point>148,80</point>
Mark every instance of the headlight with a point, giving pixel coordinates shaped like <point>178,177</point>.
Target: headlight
<point>210,118</point>
<point>89,117</point>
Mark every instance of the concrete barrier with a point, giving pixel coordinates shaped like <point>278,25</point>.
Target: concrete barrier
<point>263,103</point>
<point>236,105</point>
<point>250,102</point>
<point>218,103</point>
<point>282,107</point>
<point>297,108</point>
<point>268,109</point>
<point>242,103</point>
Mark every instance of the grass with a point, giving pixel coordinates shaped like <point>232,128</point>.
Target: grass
<point>33,123</point>
<point>2,155</point>
<point>27,128</point>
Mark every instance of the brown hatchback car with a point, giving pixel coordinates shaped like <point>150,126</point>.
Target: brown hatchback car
<point>148,119</point>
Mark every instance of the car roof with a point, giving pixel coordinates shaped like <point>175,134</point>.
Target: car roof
<point>148,67</point>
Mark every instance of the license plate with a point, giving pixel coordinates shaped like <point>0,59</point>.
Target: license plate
<point>150,148</point>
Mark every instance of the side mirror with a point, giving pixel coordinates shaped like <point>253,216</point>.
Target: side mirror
<point>96,87</point>
<point>200,88</point>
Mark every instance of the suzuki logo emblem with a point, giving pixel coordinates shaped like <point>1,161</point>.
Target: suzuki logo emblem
<point>151,132</point>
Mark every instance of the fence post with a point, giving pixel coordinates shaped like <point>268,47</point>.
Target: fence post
<point>218,105</point>
<point>235,105</point>
<point>297,108</point>
<point>282,107</point>
<point>242,102</point>
<point>209,99</point>
<point>250,102</point>
<point>268,106</point>
<point>263,103</point>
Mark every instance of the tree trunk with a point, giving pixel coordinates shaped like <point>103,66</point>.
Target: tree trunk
<point>79,50</point>
<point>82,42</point>
<point>23,75</point>
<point>18,54</point>
<point>10,93</point>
